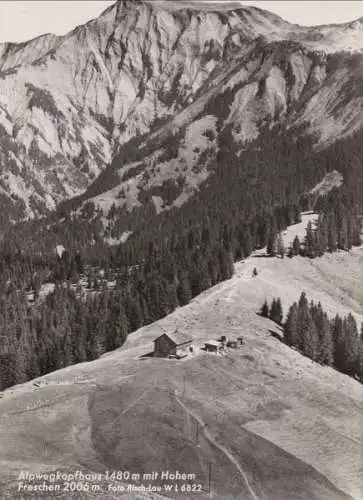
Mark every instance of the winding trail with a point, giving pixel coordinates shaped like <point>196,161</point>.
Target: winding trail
<point>224,450</point>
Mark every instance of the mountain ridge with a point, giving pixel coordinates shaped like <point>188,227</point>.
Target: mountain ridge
<point>69,104</point>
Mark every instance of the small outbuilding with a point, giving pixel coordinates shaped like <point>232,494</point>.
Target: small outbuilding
<point>176,344</point>
<point>212,346</point>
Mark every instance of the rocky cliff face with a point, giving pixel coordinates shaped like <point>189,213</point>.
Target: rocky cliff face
<point>161,69</point>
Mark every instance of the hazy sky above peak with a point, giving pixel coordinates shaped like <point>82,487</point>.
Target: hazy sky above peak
<point>22,20</point>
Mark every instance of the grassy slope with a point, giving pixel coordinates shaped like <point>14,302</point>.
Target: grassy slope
<point>278,425</point>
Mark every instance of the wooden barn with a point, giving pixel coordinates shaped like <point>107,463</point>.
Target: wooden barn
<point>175,344</point>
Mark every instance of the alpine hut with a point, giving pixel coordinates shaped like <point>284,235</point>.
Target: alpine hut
<point>174,344</point>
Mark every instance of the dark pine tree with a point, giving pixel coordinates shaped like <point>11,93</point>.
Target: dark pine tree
<point>276,313</point>
<point>311,340</point>
<point>296,245</point>
<point>290,327</point>
<point>350,345</point>
<point>337,331</point>
<point>265,310</point>
<point>184,290</point>
<point>271,244</point>
<point>310,241</point>
<point>326,345</point>
<point>303,321</point>
<point>280,247</point>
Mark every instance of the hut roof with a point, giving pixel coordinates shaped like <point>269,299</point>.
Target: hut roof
<point>214,343</point>
<point>177,337</point>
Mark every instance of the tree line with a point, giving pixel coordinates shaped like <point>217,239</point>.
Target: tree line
<point>334,342</point>
<point>338,227</point>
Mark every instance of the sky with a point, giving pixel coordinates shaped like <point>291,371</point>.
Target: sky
<point>22,20</point>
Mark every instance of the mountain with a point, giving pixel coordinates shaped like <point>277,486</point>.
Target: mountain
<point>264,420</point>
<point>174,139</point>
<point>164,82</point>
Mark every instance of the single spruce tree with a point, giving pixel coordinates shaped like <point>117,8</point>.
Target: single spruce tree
<point>280,246</point>
<point>290,327</point>
<point>326,345</point>
<point>271,244</point>
<point>332,233</point>
<point>350,345</point>
<point>311,340</point>
<point>303,321</point>
<point>265,310</point>
<point>296,245</point>
<point>310,241</point>
<point>337,331</point>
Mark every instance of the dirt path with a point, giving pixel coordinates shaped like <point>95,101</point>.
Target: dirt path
<point>224,450</point>
<point>220,289</point>
<point>131,405</point>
